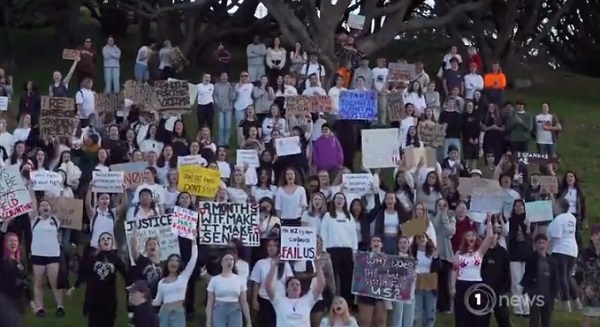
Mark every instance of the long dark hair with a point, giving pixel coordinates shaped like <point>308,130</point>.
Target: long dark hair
<point>332,211</point>
<point>165,268</point>
<point>436,187</point>
<point>162,160</point>
<point>429,247</point>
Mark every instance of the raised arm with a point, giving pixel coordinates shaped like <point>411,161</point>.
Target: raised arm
<point>320,285</point>
<point>269,283</point>
<point>189,268</point>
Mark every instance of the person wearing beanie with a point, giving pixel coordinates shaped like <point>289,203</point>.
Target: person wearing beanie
<point>143,313</point>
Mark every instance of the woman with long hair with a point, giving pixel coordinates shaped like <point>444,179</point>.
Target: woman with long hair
<point>520,248</point>
<point>363,221</point>
<point>227,300</point>
<point>171,189</point>
<point>315,213</point>
<point>172,287</point>
<point>145,208</point>
<point>100,276</point>
<point>264,188</point>
<point>269,223</point>
<point>493,137</point>
<point>275,59</point>
<point>403,189</point>
<point>18,156</point>
<point>147,264</point>
<point>445,227</point>
<point>14,282</point>
<point>388,219</point>
<point>238,191</point>
<point>371,309</point>
<point>151,142</point>
<point>166,161</point>
<point>428,265</point>
<point>430,190</point>
<point>291,199</point>
<point>273,121</point>
<point>466,273</point>
<point>338,231</point>
<point>339,315</point>
<point>250,119</point>
<point>260,272</point>
<point>21,133</point>
<point>571,190</point>
<point>264,96</point>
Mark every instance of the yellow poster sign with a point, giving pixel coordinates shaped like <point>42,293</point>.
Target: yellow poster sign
<point>199,181</point>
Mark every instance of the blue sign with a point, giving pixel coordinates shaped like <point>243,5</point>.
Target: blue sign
<point>358,105</point>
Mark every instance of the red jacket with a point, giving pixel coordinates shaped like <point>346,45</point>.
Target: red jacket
<point>476,58</point>
<point>462,227</point>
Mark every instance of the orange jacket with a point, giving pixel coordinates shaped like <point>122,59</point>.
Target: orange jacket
<point>494,81</point>
<point>346,75</point>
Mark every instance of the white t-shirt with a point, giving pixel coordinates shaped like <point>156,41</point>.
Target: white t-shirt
<point>7,140</point>
<point>314,90</point>
<point>243,96</point>
<point>205,93</point>
<point>87,99</point>
<point>543,136</point>
<point>288,90</point>
<point>261,271</point>
<point>294,312</point>
<point>326,323</point>
<point>379,77</point>
<point>227,289</point>
<point>309,69</point>
<point>21,134</point>
<point>334,94</point>
<point>44,240</point>
<point>158,193</point>
<point>142,50</point>
<point>290,205</point>
<point>562,233</point>
<point>237,195</point>
<point>269,124</point>
<point>103,223</point>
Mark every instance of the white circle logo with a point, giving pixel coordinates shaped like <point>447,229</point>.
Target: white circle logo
<point>480,299</point>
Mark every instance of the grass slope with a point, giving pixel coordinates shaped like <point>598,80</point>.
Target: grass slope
<point>572,98</point>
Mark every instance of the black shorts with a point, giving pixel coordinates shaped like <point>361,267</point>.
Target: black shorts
<point>37,260</point>
<point>320,306</point>
<point>366,300</point>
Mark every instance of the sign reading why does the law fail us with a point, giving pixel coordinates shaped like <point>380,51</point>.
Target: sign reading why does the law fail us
<point>158,227</point>
<point>385,277</point>
<point>298,243</point>
<point>221,222</point>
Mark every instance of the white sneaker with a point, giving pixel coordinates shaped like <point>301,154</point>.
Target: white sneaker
<point>577,304</point>
<point>566,306</point>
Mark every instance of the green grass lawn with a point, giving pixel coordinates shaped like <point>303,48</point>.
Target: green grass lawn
<point>572,98</point>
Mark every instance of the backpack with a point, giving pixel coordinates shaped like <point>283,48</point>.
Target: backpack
<point>38,219</point>
<point>93,220</point>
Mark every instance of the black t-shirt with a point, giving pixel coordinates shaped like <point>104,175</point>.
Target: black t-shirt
<point>144,316</point>
<point>149,271</point>
<point>246,124</point>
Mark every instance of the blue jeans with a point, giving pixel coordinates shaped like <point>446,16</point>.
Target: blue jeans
<point>226,314</point>
<point>141,72</point>
<point>390,244</point>
<point>171,317</point>
<point>239,116</point>
<point>224,127</point>
<point>548,149</point>
<point>403,314</point>
<point>112,77</point>
<point>425,306</point>
<point>448,143</point>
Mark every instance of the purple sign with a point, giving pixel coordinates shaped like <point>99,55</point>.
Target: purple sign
<point>386,277</point>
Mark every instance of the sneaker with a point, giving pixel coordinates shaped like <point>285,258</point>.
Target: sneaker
<point>60,312</point>
<point>40,312</point>
<point>577,304</point>
<point>566,306</point>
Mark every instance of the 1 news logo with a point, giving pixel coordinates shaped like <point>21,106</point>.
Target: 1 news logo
<point>480,299</point>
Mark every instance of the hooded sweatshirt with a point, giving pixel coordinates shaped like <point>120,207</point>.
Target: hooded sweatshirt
<point>520,241</point>
<point>495,269</point>
<point>327,153</point>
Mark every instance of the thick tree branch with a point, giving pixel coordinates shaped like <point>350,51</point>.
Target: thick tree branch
<point>425,23</point>
<point>537,40</point>
<point>146,10</point>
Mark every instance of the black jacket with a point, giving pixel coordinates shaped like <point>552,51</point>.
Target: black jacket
<point>379,214</point>
<point>495,269</point>
<point>531,272</point>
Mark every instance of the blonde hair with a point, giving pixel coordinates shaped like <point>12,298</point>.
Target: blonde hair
<point>22,119</point>
<point>345,315</point>
<point>425,212</point>
<point>337,180</point>
<point>243,185</point>
<point>312,210</point>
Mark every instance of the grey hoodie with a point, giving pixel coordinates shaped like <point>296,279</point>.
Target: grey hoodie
<point>112,55</point>
<point>256,54</point>
<point>224,95</point>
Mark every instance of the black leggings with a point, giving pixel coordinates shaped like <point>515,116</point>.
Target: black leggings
<point>463,317</point>
<point>566,284</point>
<point>342,260</point>
<point>266,313</point>
<point>541,313</point>
<point>102,315</point>
<point>443,299</point>
<point>206,116</point>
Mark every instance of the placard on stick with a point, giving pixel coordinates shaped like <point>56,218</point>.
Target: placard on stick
<point>395,106</point>
<point>401,72</point>
<point>432,135</point>
<point>57,116</point>
<point>109,102</point>
<point>302,104</point>
<point>70,54</point>
<point>172,95</point>
<point>385,277</point>
<point>221,222</point>
<point>527,158</point>
<point>142,94</point>
<point>179,59</point>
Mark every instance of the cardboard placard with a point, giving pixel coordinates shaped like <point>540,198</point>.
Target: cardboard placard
<point>172,95</point>
<point>58,116</point>
<point>158,227</point>
<point>302,104</point>
<point>179,59</point>
<point>68,210</point>
<point>427,282</point>
<point>395,106</point>
<point>70,54</point>
<point>432,135</point>
<point>108,102</point>
<point>414,155</point>
<point>142,94</point>
<point>467,186</point>
<point>401,72</point>
<point>414,227</point>
<point>549,183</point>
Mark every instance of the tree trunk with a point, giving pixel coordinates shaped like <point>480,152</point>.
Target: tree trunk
<point>9,35</point>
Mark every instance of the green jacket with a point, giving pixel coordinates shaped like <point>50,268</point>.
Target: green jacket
<point>519,127</point>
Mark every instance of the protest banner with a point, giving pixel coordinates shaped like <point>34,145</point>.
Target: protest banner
<point>287,146</point>
<point>357,183</point>
<point>159,228</point>
<point>549,183</point>
<point>302,104</point>
<point>173,95</point>
<point>414,227</point>
<point>199,181</point>
<point>527,158</point>
<point>108,102</point>
<point>68,210</point>
<point>538,211</point>
<point>249,157</point>
<point>376,153</point>
<point>3,103</point>
<point>414,155</point>
<point>356,21</point>
<point>358,105</point>
<point>107,181</point>
<point>195,160</point>
<point>15,199</point>
<point>484,203</point>
<point>395,106</point>
<point>57,117</point>
<point>70,54</point>
<point>192,89</point>
<point>401,72</point>
<point>133,173</point>
<point>141,94</point>
<point>432,135</point>
<point>298,243</point>
<point>185,223</point>
<point>468,186</point>
<point>221,221</point>
<point>46,180</point>
<point>385,277</point>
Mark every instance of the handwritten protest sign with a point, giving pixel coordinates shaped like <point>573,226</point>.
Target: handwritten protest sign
<point>68,210</point>
<point>385,277</point>
<point>57,116</point>
<point>14,196</point>
<point>108,102</point>
<point>527,158</point>
<point>287,146</point>
<point>195,160</point>
<point>249,157</point>
<point>179,59</point>
<point>46,180</point>
<point>432,135</point>
<point>379,154</point>
<point>549,183</point>
<point>401,72</point>
<point>70,54</point>
<point>302,104</point>
<point>220,222</point>
<point>414,155</point>
<point>298,243</point>
<point>133,173</point>
<point>538,211</point>
<point>358,183</point>
<point>358,105</point>
<point>173,95</point>
<point>141,94</point>
<point>199,181</point>
<point>107,181</point>
<point>468,186</point>
<point>482,204</point>
<point>185,223</point>
<point>356,21</point>
<point>158,227</point>
<point>3,103</point>
<point>192,89</point>
<point>395,106</point>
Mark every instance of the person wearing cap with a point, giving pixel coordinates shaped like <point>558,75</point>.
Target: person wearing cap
<point>143,312</point>
<point>589,264</point>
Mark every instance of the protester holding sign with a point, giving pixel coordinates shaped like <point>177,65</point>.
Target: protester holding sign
<point>371,309</point>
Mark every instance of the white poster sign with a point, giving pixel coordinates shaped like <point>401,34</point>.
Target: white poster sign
<point>158,227</point>
<point>358,183</point>
<point>298,243</point>
<point>380,148</point>
<point>15,199</point>
<point>3,103</point>
<point>287,146</point>
<point>247,156</point>
<point>107,181</point>
<point>46,180</point>
<point>195,160</point>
